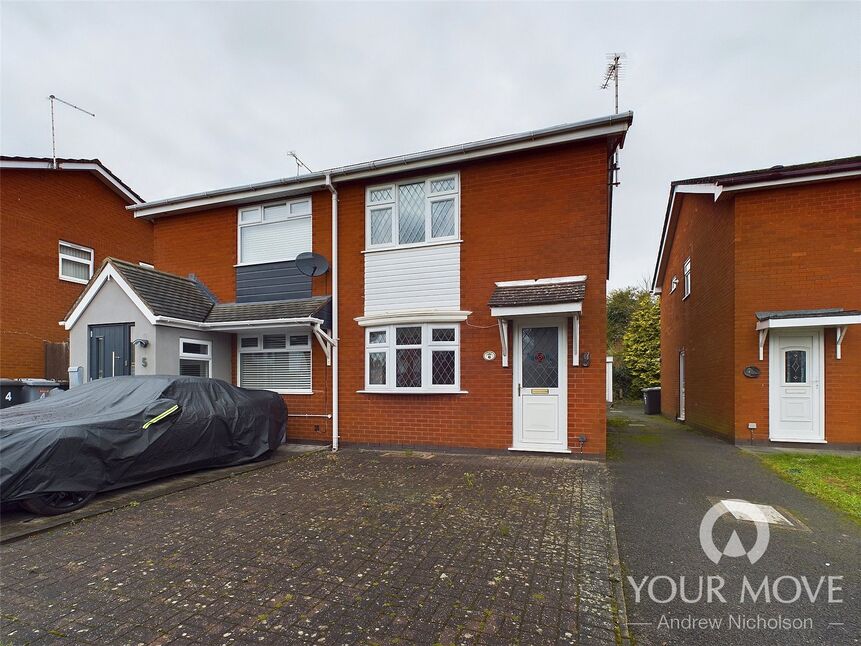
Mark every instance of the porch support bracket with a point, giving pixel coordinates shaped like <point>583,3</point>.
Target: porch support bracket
<point>841,332</point>
<point>503,340</point>
<point>326,342</point>
<point>763,334</point>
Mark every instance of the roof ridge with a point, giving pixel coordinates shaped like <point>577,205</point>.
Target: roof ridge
<point>151,269</point>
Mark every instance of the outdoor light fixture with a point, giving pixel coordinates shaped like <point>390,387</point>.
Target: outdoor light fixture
<point>141,342</point>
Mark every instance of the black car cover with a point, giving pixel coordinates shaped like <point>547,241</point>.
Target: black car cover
<point>121,431</point>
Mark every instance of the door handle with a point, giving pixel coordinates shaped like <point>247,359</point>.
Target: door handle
<point>518,390</point>
<point>113,364</point>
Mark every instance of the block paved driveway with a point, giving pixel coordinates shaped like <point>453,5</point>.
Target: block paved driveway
<point>360,547</point>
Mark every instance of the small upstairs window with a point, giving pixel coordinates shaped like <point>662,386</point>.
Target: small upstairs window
<point>411,213</point>
<point>687,289</point>
<point>274,232</point>
<point>76,263</point>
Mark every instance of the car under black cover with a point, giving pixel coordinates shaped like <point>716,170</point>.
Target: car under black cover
<point>58,452</point>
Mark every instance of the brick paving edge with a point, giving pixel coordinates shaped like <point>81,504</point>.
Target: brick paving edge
<point>623,636</point>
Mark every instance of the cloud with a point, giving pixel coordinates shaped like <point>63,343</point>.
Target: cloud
<point>193,96</point>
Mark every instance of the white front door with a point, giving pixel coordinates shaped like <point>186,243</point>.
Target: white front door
<point>540,386</point>
<point>796,387</point>
<point>682,385</point>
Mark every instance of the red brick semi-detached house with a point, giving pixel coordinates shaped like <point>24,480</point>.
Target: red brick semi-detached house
<point>455,298</point>
<point>56,225</point>
<point>759,274</point>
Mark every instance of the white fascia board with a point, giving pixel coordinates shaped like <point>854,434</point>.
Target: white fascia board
<point>413,316</point>
<point>809,321</point>
<point>804,179</point>
<point>542,281</point>
<point>237,326</point>
<point>107,273</point>
<point>537,310</point>
<point>240,197</point>
<point>106,177</point>
<point>467,155</point>
<point>347,173</point>
<point>702,189</point>
<point>87,166</point>
<point>25,164</point>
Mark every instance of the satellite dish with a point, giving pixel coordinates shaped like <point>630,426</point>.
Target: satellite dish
<point>312,264</point>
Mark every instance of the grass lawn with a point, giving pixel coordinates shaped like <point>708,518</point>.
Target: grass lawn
<point>836,479</point>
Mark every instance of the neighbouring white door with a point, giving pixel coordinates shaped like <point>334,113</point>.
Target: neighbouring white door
<point>682,385</point>
<point>796,387</point>
<point>540,387</point>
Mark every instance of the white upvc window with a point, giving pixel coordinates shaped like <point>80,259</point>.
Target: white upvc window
<point>76,263</point>
<point>687,287</point>
<point>413,357</point>
<point>277,360</point>
<point>195,358</point>
<point>273,232</point>
<point>413,212</point>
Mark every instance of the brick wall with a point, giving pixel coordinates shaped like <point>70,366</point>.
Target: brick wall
<point>702,324</point>
<point>531,215</point>
<point>523,216</point>
<point>799,248</point>
<point>204,243</point>
<point>38,208</point>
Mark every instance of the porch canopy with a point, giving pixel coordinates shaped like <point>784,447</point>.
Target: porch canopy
<point>835,317</point>
<point>562,296</point>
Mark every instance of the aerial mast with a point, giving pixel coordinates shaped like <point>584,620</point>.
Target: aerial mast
<point>614,66</point>
<point>53,135</point>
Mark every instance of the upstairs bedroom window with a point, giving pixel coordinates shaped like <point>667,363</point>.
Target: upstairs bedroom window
<point>279,361</point>
<point>413,358</point>
<point>195,358</point>
<point>274,232</point>
<point>76,263</point>
<point>413,213</point>
<point>687,288</point>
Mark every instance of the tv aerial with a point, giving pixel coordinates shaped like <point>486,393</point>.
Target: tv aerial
<point>614,66</point>
<point>53,98</point>
<point>312,264</point>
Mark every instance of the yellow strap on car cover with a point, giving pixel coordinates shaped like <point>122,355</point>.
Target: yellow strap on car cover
<point>158,418</point>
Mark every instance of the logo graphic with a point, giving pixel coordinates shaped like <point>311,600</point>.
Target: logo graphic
<point>734,547</point>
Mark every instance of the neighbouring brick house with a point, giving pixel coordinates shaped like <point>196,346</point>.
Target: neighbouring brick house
<point>56,225</point>
<point>759,275</point>
<point>465,305</point>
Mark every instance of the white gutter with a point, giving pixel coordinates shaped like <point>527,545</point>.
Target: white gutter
<point>227,326</point>
<point>334,268</point>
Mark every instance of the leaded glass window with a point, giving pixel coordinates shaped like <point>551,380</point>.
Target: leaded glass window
<point>540,348</point>
<point>413,212</point>
<point>795,366</point>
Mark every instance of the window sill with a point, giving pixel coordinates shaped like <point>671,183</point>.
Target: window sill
<point>282,392</point>
<point>413,391</point>
<point>264,262</point>
<point>79,281</point>
<point>418,245</point>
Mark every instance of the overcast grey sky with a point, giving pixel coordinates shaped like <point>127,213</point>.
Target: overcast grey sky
<point>193,96</point>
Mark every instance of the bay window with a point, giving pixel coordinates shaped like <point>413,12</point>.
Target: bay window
<point>274,232</point>
<point>278,361</point>
<point>413,212</point>
<point>413,358</point>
